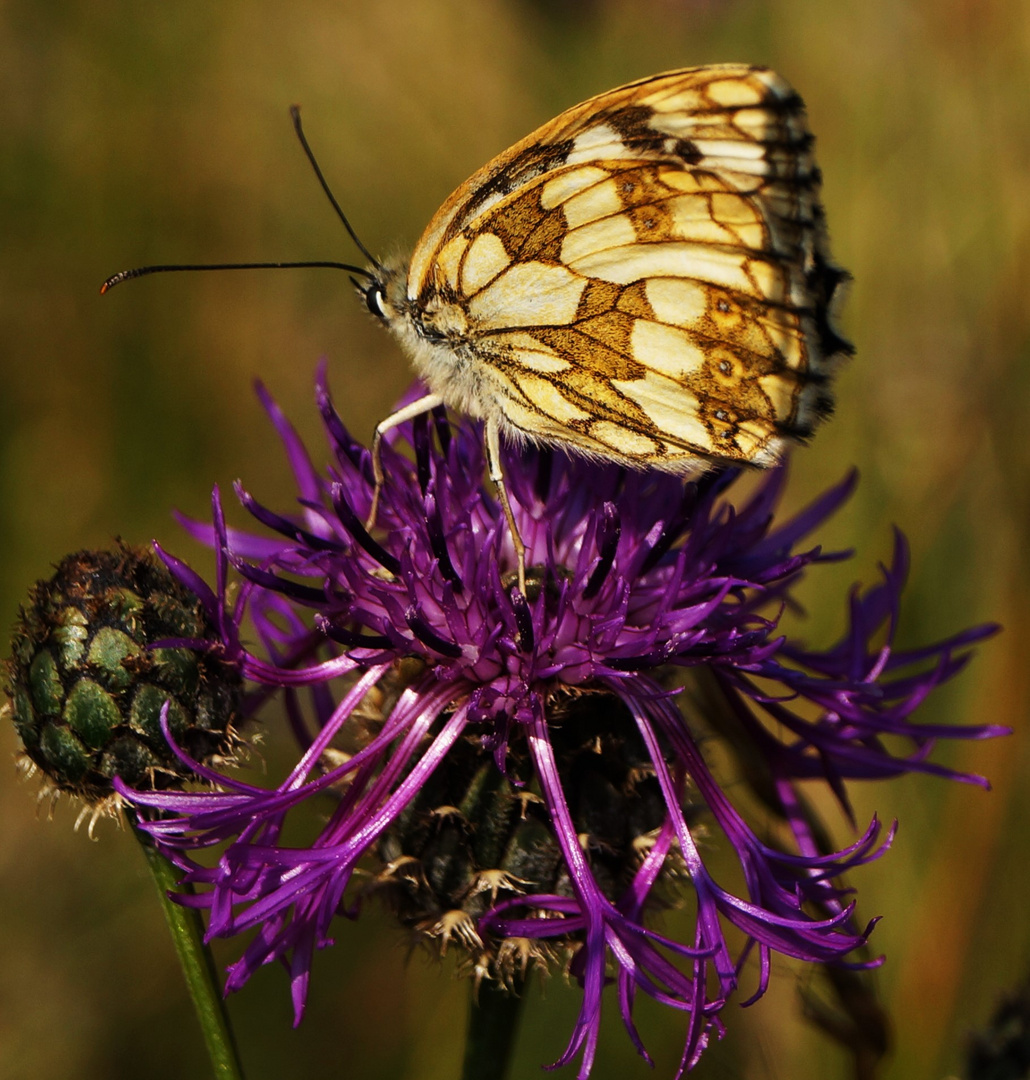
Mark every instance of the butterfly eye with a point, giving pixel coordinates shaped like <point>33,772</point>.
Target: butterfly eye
<point>374,297</point>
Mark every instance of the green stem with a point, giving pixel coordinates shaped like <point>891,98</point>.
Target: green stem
<point>493,1018</point>
<point>197,966</point>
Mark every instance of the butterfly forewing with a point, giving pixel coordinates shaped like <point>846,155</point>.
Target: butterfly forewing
<point>645,278</point>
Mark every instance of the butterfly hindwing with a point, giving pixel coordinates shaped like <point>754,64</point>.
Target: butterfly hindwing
<point>645,278</point>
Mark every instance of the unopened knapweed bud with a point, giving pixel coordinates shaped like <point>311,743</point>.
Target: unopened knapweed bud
<point>87,686</point>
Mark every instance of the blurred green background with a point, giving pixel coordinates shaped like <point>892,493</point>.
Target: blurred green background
<point>136,132</point>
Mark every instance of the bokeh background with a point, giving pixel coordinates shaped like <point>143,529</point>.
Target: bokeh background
<point>145,132</point>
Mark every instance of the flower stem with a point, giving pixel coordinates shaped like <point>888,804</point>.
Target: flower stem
<point>493,1018</point>
<point>198,968</point>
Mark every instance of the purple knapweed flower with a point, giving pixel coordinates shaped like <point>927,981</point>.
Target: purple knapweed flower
<point>521,775</point>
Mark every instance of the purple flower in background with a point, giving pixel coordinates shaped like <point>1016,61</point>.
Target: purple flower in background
<point>521,777</point>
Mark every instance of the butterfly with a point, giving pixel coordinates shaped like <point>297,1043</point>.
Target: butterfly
<point>645,280</point>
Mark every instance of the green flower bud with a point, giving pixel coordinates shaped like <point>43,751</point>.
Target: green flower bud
<point>87,688</point>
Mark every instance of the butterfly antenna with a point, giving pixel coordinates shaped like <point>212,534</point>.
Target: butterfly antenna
<point>295,115</point>
<point>142,271</point>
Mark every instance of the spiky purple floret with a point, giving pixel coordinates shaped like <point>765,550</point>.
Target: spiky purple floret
<point>638,572</point>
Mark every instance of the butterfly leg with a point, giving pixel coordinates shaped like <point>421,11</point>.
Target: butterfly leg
<point>401,416</point>
<point>493,461</point>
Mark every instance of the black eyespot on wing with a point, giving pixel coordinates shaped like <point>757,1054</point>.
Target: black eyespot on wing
<point>686,150</point>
